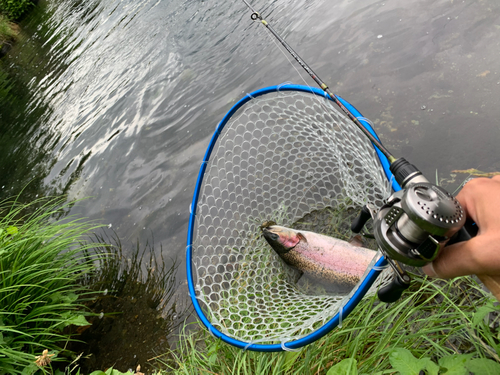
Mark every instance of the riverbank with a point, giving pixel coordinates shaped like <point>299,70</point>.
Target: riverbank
<point>437,327</point>
<point>11,12</point>
<point>78,299</point>
<point>8,35</point>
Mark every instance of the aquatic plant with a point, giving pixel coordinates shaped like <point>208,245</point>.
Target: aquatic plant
<point>42,259</point>
<point>112,371</point>
<point>433,319</point>
<point>5,29</point>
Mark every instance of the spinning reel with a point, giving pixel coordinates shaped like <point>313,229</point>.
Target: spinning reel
<point>413,225</point>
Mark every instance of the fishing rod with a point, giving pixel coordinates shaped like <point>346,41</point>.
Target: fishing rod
<point>257,16</point>
<point>415,222</point>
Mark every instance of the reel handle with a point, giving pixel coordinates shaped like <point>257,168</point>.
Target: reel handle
<point>359,222</point>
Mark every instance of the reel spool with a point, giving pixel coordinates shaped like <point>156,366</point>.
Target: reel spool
<point>281,153</point>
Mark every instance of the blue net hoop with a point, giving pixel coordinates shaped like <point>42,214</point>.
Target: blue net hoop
<point>199,298</point>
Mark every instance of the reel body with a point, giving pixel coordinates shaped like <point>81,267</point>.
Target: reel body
<point>416,222</point>
<point>413,225</point>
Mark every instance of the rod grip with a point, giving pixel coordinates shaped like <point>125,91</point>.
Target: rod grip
<point>392,292</point>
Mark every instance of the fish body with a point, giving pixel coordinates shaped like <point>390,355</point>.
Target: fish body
<point>325,259</point>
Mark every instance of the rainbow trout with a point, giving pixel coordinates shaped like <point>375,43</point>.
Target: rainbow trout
<point>323,258</point>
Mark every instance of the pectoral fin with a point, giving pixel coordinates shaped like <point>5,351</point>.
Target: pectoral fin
<point>357,240</point>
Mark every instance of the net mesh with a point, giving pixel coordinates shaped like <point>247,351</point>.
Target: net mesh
<point>293,158</point>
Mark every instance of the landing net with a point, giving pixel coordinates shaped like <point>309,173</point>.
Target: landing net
<point>284,154</point>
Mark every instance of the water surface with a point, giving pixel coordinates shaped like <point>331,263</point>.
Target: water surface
<point>116,100</point>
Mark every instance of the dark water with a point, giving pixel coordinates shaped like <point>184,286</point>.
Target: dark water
<point>117,100</point>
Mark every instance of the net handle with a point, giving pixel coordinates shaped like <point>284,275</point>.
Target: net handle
<point>365,284</point>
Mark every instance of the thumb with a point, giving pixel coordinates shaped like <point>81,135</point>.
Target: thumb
<point>475,256</point>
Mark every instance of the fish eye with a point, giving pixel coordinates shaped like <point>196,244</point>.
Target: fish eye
<point>274,236</point>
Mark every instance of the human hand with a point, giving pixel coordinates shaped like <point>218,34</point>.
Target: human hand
<point>480,199</point>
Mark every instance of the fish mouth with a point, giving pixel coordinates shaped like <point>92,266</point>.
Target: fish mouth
<point>269,235</point>
<point>280,240</point>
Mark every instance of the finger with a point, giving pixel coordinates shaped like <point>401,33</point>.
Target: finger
<point>468,195</point>
<point>479,255</point>
<point>473,200</point>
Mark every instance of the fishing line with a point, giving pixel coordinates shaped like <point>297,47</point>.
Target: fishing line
<point>287,57</point>
<point>320,103</point>
<point>317,99</point>
<point>270,35</point>
<point>257,16</point>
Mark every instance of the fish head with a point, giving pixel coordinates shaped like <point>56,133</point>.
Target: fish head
<point>281,239</point>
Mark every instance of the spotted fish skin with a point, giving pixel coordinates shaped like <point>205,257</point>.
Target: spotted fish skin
<point>325,259</point>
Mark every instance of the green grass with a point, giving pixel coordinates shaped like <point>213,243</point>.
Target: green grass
<point>435,321</point>
<point>7,32</point>
<point>432,320</point>
<point>42,260</point>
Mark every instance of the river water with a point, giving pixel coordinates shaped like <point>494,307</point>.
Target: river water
<point>116,100</point>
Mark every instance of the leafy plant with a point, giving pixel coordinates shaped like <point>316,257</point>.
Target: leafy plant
<point>110,371</point>
<point>41,262</point>
<point>14,9</point>
<point>348,366</point>
<point>405,363</point>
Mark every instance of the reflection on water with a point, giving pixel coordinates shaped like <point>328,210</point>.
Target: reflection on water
<point>117,99</point>
<point>26,146</point>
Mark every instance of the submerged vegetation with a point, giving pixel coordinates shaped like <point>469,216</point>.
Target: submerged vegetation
<point>7,31</point>
<point>139,301</point>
